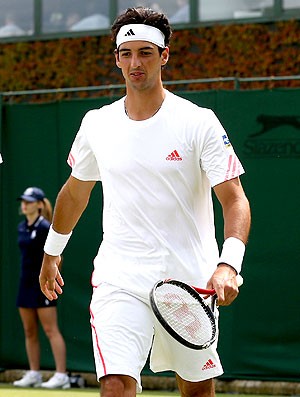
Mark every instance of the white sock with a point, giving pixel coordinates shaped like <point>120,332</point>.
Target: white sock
<point>61,375</point>
<point>34,372</point>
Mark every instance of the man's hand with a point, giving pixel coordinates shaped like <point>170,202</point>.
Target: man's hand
<point>224,282</point>
<point>50,278</point>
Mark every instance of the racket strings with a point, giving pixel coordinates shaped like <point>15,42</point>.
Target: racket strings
<point>185,314</point>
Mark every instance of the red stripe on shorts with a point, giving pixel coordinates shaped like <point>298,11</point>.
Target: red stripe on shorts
<point>97,342</point>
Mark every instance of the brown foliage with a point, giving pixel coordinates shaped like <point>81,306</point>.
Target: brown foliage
<point>245,50</point>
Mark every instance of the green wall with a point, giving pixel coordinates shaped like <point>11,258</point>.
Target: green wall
<point>260,331</point>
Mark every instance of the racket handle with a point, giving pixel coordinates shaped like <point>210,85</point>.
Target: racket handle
<point>202,291</point>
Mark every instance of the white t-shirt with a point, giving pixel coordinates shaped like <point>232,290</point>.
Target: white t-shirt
<point>156,176</point>
<point>1,161</point>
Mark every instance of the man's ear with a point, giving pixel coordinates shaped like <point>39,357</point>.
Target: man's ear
<point>116,53</point>
<point>165,56</point>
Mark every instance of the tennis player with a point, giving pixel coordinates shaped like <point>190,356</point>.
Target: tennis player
<point>158,157</point>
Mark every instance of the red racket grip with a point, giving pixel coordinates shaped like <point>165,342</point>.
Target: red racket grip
<point>203,291</point>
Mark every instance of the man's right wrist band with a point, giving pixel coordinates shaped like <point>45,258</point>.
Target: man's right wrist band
<point>56,242</point>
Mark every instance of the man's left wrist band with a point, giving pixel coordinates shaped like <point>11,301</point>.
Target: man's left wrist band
<point>56,242</point>
<point>233,253</point>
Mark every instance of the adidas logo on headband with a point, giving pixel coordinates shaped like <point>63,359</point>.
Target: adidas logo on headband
<point>140,32</point>
<point>130,33</point>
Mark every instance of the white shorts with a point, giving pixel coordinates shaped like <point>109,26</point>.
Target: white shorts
<point>123,331</point>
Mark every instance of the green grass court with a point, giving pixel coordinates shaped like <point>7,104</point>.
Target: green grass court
<point>7,390</point>
<point>11,391</point>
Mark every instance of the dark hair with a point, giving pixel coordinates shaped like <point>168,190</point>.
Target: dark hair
<point>142,15</point>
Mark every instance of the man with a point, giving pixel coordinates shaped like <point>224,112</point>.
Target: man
<point>157,156</point>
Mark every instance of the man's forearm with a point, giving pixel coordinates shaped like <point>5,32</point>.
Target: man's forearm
<point>237,220</point>
<point>70,204</point>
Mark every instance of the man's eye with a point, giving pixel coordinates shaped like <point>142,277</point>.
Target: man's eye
<point>125,54</point>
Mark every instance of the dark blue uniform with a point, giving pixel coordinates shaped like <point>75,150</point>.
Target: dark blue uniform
<point>31,240</point>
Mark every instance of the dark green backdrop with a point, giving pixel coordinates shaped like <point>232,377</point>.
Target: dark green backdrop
<point>261,331</point>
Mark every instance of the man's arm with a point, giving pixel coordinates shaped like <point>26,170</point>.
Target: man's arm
<point>237,219</point>
<point>70,204</point>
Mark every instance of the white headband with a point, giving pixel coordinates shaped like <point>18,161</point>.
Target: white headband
<point>140,32</point>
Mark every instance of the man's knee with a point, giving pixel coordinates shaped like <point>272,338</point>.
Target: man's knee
<point>118,386</point>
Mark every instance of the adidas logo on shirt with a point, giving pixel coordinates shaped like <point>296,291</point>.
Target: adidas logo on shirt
<point>209,365</point>
<point>130,33</point>
<point>174,156</point>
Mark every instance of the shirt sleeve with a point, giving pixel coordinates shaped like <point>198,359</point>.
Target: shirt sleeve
<point>81,157</point>
<point>218,158</point>
<point>1,161</point>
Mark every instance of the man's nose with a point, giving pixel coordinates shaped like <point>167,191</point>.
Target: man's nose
<point>135,61</point>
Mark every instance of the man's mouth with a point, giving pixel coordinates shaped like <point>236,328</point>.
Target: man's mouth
<point>136,74</point>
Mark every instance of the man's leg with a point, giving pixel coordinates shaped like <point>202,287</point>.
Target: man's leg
<point>205,388</point>
<point>122,332</point>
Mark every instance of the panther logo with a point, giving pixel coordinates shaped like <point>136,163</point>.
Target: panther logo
<point>268,123</point>
<point>262,144</point>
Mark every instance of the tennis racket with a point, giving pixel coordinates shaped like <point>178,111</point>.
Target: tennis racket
<point>184,313</point>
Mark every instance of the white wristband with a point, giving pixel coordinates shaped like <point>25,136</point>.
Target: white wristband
<point>56,242</point>
<point>233,253</point>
